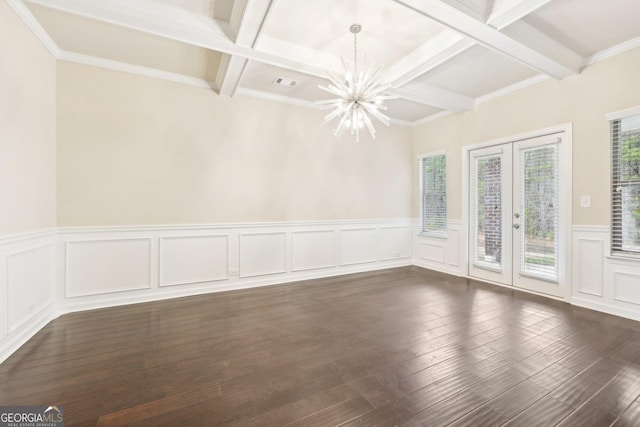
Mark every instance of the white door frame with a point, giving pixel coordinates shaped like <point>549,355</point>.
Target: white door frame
<point>566,193</point>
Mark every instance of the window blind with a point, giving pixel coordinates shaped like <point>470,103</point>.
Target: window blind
<point>433,171</point>
<point>625,180</point>
<point>539,191</point>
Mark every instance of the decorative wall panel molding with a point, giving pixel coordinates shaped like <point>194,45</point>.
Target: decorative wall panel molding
<point>27,287</point>
<point>107,265</point>
<point>313,249</point>
<point>358,246</point>
<point>440,253</point>
<point>627,287</point>
<point>185,260</point>
<point>263,254</point>
<point>433,250</point>
<point>29,276</point>
<point>395,242</point>
<point>589,260</point>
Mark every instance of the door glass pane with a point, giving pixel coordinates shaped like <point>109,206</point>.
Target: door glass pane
<point>539,223</point>
<point>487,215</point>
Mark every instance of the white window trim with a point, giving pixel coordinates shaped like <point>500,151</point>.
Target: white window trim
<point>616,115</point>
<point>609,117</point>
<point>434,234</point>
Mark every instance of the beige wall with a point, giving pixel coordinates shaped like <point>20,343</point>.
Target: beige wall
<point>583,100</point>
<point>27,128</point>
<point>137,150</point>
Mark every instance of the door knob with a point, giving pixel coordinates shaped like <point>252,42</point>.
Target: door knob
<point>516,215</point>
<point>516,226</point>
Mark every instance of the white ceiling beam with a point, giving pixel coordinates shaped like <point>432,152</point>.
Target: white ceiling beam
<point>506,12</point>
<point>492,38</point>
<point>439,49</point>
<point>434,96</point>
<point>449,44</point>
<point>525,32</point>
<point>247,19</point>
<point>177,24</point>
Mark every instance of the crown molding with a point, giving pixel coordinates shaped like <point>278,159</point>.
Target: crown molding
<point>32,23</point>
<point>612,51</point>
<point>276,98</point>
<point>135,69</point>
<point>431,118</point>
<point>404,123</point>
<point>512,88</point>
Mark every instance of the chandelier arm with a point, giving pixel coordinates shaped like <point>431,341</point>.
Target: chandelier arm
<point>373,91</point>
<point>338,111</point>
<point>377,114</point>
<point>367,122</point>
<point>329,104</point>
<point>342,126</point>
<point>333,90</point>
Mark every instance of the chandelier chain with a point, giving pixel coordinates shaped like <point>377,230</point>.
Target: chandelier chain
<point>355,52</point>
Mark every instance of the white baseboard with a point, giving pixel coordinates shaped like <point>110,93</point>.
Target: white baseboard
<point>11,343</point>
<point>442,268</point>
<point>604,307</point>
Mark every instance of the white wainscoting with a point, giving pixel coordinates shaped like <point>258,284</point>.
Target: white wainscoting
<point>602,282</point>
<point>27,287</point>
<point>440,253</point>
<point>106,266</point>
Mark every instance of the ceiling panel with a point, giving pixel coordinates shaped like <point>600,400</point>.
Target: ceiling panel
<point>588,26</point>
<point>89,37</point>
<point>409,111</point>
<point>389,30</point>
<point>476,72</point>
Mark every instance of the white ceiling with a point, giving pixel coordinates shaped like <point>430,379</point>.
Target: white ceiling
<point>439,55</point>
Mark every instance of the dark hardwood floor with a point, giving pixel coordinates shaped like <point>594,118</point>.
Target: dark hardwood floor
<point>403,346</point>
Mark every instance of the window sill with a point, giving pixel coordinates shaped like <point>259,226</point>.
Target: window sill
<point>624,258</point>
<point>442,236</point>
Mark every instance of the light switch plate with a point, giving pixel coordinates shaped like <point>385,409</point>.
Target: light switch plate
<point>585,201</point>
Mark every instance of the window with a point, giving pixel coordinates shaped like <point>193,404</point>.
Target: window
<point>433,189</point>
<point>625,179</point>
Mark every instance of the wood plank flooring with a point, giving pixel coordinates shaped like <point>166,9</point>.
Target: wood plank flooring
<point>403,346</point>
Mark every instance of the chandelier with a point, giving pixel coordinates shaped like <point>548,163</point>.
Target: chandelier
<point>359,95</point>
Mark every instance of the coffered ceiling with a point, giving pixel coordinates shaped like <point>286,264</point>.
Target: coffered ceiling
<point>439,55</point>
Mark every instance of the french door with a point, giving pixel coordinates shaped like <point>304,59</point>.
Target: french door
<point>518,204</point>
